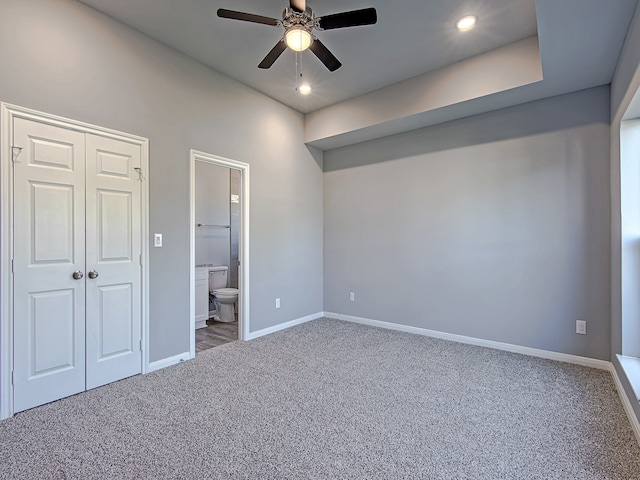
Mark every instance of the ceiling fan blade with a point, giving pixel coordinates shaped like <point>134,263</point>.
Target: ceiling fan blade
<point>298,5</point>
<point>273,55</point>
<point>325,56</point>
<point>355,18</point>
<point>247,17</point>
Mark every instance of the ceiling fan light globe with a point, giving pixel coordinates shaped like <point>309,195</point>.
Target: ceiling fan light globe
<point>298,39</point>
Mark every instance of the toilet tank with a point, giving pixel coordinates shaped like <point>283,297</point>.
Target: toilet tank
<point>217,278</point>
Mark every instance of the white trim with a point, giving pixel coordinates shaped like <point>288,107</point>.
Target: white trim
<point>631,368</point>
<point>16,111</point>
<point>283,326</point>
<point>244,317</point>
<point>626,403</point>
<point>145,253</point>
<point>6,247</point>
<point>168,362</point>
<point>533,352</point>
<point>192,255</point>
<point>8,113</point>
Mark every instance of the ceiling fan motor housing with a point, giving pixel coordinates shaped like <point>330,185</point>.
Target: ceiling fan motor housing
<point>306,20</point>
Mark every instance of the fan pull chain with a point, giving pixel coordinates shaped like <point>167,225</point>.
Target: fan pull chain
<point>302,87</point>
<point>298,69</point>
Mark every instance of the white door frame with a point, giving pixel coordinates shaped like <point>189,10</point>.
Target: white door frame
<point>243,250</point>
<point>8,113</point>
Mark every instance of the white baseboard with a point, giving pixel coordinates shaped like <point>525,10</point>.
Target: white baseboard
<point>282,326</point>
<point>626,403</point>
<point>167,362</point>
<point>533,352</point>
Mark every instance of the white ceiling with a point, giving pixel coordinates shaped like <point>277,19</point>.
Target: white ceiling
<point>411,37</point>
<point>579,45</point>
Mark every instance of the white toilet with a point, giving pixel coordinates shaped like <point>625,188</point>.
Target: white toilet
<point>224,298</point>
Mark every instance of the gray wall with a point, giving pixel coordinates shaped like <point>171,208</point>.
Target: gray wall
<point>494,226</point>
<point>61,57</point>
<point>212,207</point>
<point>624,276</point>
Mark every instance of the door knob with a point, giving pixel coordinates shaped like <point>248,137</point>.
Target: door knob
<point>93,274</point>
<point>77,275</point>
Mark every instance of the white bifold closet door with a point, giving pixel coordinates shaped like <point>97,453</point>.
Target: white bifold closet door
<point>76,272</point>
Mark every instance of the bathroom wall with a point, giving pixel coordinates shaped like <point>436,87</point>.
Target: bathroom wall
<point>495,226</point>
<point>212,207</point>
<point>235,227</point>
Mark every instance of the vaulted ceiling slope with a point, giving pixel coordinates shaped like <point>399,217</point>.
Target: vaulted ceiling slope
<point>412,69</point>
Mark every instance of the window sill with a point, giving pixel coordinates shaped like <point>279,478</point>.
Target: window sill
<point>631,367</point>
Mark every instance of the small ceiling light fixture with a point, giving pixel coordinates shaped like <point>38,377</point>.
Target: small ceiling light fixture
<point>466,23</point>
<point>304,89</point>
<point>298,38</point>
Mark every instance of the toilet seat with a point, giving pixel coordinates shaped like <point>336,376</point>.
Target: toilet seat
<point>226,292</point>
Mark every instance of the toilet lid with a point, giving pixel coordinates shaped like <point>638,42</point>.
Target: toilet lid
<point>226,291</point>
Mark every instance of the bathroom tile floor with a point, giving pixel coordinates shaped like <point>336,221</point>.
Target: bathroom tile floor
<point>216,334</point>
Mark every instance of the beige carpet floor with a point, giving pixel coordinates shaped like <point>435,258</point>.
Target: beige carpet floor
<point>330,399</point>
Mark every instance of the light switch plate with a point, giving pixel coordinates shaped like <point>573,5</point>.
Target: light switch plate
<point>157,239</point>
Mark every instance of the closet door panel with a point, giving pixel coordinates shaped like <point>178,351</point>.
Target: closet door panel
<point>49,310</point>
<point>113,260</point>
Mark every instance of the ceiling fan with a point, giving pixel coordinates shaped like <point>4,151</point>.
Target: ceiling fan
<point>298,21</point>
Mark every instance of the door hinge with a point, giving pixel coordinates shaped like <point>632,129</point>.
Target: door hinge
<point>15,151</point>
<point>11,377</point>
<point>140,344</point>
<point>12,265</point>
<point>140,259</point>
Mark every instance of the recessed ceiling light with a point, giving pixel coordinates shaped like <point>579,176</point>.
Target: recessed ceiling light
<point>304,89</point>
<point>466,23</point>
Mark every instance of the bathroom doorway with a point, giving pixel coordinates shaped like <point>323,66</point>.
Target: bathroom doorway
<point>219,245</point>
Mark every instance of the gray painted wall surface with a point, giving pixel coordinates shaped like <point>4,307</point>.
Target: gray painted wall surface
<point>61,57</point>
<point>625,84</point>
<point>494,226</point>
